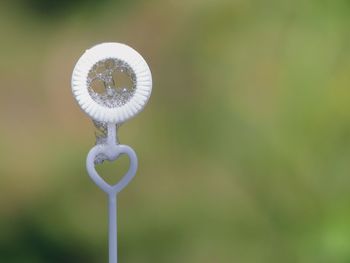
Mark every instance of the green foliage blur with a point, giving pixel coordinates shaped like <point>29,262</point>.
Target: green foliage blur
<point>244,146</point>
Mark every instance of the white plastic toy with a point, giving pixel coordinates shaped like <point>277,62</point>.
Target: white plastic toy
<point>110,107</point>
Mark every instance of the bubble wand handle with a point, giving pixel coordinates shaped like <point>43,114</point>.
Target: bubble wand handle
<point>111,150</point>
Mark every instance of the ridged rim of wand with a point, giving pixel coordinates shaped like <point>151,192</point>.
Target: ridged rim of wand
<point>143,85</point>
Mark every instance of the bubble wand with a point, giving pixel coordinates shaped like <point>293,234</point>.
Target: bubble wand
<point>108,109</point>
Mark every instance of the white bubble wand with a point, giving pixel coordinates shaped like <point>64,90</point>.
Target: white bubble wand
<point>109,108</point>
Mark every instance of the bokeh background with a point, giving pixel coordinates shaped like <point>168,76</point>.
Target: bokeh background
<point>244,147</point>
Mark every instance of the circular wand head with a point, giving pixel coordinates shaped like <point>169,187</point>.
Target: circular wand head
<point>95,82</point>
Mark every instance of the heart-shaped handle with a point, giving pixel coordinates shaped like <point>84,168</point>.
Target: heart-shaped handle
<point>112,152</point>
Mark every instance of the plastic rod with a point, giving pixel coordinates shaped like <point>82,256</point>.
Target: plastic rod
<point>113,243</point>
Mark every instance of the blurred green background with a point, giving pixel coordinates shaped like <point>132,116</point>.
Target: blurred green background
<point>244,147</point>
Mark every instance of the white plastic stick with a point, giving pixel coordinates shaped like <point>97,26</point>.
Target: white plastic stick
<point>113,242</point>
<point>112,151</point>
